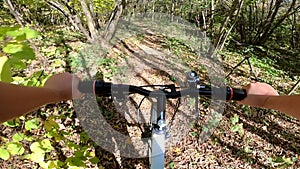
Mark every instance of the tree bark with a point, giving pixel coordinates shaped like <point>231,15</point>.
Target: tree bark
<point>211,22</point>
<point>233,24</point>
<point>271,27</point>
<point>114,19</point>
<point>90,21</point>
<point>293,30</point>
<point>73,18</point>
<point>235,8</point>
<point>14,12</point>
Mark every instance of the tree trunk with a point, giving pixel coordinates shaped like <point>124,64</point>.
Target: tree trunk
<point>72,17</point>
<point>293,30</point>
<point>271,27</point>
<point>233,14</point>
<point>14,12</point>
<point>114,19</point>
<point>233,24</point>
<point>211,22</point>
<point>90,21</point>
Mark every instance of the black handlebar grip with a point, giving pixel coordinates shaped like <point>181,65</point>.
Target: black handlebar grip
<point>102,88</point>
<point>238,94</point>
<point>98,87</point>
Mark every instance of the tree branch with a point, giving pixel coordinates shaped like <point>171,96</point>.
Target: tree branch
<point>271,28</point>
<point>74,19</point>
<point>90,21</point>
<point>114,19</point>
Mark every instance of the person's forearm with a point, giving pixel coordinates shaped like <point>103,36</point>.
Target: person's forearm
<point>18,100</point>
<point>286,104</point>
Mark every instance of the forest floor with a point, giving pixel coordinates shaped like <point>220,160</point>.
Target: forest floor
<point>244,137</point>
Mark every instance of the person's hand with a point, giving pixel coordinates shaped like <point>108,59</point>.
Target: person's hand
<point>258,93</point>
<point>65,84</point>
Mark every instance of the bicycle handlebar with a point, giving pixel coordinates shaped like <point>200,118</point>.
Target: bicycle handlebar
<point>101,88</point>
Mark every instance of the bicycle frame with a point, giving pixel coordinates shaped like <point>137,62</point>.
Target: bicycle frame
<point>159,130</point>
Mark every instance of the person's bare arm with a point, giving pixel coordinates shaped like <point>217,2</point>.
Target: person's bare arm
<point>16,100</point>
<point>286,104</point>
<point>265,96</point>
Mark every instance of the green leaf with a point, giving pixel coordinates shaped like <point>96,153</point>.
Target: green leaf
<point>72,145</point>
<point>238,128</point>
<point>13,48</point>
<point>194,134</point>
<point>17,63</point>
<point>26,53</point>
<point>12,123</point>
<point>5,72</point>
<point>94,160</point>
<point>4,30</point>
<point>294,159</point>
<point>30,33</point>
<point>84,137</point>
<point>21,37</point>
<point>74,161</point>
<point>4,154</point>
<point>55,164</point>
<point>171,164</point>
<point>235,128</point>
<point>15,33</point>
<point>32,82</point>
<point>235,119</point>
<point>29,138</point>
<point>41,146</point>
<point>36,157</point>
<point>50,125</point>
<point>36,148</point>
<point>31,124</point>
<point>46,145</point>
<point>15,148</point>
<point>18,137</point>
